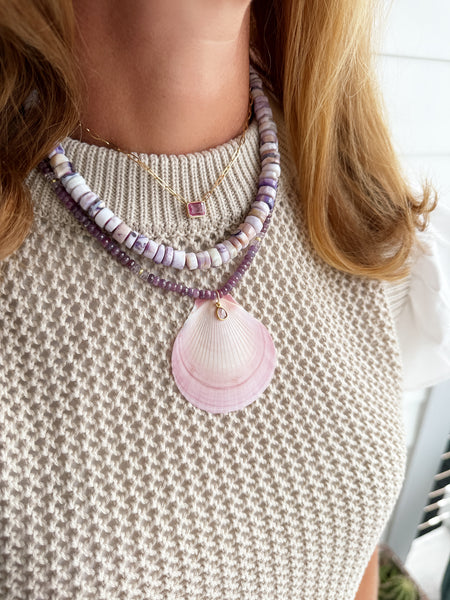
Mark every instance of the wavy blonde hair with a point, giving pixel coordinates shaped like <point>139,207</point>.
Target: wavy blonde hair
<point>316,58</point>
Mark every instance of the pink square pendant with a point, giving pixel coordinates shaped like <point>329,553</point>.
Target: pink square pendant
<point>196,209</point>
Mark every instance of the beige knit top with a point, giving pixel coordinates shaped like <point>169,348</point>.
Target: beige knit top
<point>113,485</point>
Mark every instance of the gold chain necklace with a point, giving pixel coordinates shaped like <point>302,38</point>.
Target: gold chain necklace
<point>194,208</point>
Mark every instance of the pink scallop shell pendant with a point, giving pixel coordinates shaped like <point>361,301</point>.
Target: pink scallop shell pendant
<point>223,358</point>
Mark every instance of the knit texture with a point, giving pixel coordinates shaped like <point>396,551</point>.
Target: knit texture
<point>113,486</point>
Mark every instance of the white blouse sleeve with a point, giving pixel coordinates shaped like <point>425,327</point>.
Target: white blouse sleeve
<point>421,307</point>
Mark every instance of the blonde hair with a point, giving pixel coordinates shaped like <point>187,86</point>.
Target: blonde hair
<point>316,58</point>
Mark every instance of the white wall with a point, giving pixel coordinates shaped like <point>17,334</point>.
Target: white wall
<point>415,75</point>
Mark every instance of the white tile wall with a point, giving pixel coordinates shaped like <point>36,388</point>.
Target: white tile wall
<point>418,28</point>
<point>417,96</point>
<point>414,70</point>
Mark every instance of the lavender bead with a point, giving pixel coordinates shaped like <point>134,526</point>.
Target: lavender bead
<point>70,183</point>
<point>96,208</point>
<point>256,223</point>
<point>191,261</point>
<point>242,238</point>
<point>273,162</point>
<point>150,249</point>
<point>270,173</point>
<point>63,170</point>
<point>236,243</point>
<point>249,230</point>
<point>265,181</point>
<point>168,256</point>
<point>269,146</point>
<point>121,233</point>
<point>103,217</point>
<point>224,253</point>
<point>79,191</point>
<point>140,244</point>
<point>268,190</point>
<point>58,159</point>
<point>131,238</point>
<point>179,259</point>
<point>88,200</point>
<point>231,249</point>
<point>256,212</point>
<point>158,258</point>
<point>260,102</point>
<point>267,199</point>
<point>264,111</point>
<point>267,124</point>
<point>274,169</point>
<point>272,157</point>
<point>204,259</point>
<point>262,206</point>
<point>268,136</point>
<point>58,150</point>
<point>216,259</point>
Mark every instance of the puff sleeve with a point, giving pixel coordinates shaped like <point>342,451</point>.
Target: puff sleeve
<point>421,306</point>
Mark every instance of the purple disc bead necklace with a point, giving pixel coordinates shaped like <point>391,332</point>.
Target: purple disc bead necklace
<point>223,358</point>
<point>135,267</point>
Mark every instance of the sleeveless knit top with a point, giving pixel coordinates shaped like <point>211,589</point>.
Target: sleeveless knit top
<point>113,486</point>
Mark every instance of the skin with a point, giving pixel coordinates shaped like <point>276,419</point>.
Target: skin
<point>164,77</point>
<point>169,77</point>
<point>368,588</point>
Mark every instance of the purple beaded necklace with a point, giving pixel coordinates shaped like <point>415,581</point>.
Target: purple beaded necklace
<point>223,358</point>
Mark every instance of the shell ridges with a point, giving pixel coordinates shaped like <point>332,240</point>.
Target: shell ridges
<point>222,366</point>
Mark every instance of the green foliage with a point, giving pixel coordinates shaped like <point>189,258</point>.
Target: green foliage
<point>394,585</point>
<point>386,571</point>
<point>398,587</point>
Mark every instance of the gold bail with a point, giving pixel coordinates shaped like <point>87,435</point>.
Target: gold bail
<point>221,313</point>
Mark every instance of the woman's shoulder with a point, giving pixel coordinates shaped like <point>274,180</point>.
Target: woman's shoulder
<point>420,305</point>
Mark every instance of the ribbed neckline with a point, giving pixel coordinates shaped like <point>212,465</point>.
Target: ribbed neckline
<point>133,195</point>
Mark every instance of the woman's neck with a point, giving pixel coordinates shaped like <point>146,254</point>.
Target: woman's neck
<point>163,76</point>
